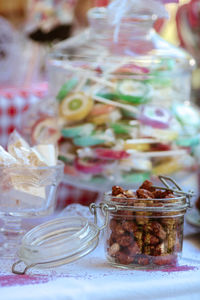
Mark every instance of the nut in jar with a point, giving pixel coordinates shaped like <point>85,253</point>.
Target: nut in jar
<point>144,228</point>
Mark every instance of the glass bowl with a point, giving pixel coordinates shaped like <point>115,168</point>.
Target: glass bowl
<point>25,192</point>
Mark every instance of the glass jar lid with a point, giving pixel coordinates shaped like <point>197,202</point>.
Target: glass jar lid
<point>57,242</point>
<point>118,36</point>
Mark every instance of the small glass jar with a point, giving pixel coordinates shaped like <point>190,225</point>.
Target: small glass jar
<point>139,233</point>
<point>144,233</point>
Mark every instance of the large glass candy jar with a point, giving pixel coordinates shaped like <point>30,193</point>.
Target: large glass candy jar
<point>123,96</point>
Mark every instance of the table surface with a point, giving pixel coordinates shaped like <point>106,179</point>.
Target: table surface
<point>92,278</point>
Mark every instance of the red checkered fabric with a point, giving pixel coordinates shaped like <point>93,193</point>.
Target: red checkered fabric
<point>68,194</point>
<point>13,103</point>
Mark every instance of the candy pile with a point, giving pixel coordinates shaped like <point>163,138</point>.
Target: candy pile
<point>140,236</point>
<point>25,171</point>
<point>122,122</point>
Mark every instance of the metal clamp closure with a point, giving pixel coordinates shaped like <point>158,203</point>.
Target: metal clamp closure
<point>175,188</point>
<point>23,272</point>
<point>105,209</point>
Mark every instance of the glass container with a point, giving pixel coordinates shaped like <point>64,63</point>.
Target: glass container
<point>138,232</point>
<point>145,233</point>
<point>25,192</point>
<point>123,96</point>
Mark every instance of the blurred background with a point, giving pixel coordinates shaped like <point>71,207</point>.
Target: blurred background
<point>47,21</point>
<point>28,28</point>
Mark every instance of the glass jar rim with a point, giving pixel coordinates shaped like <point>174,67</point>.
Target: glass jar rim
<point>109,194</point>
<point>58,166</point>
<point>101,13</point>
<point>58,54</point>
<point>187,65</point>
<point>166,204</point>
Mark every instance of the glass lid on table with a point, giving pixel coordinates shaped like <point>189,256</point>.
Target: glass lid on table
<point>123,95</point>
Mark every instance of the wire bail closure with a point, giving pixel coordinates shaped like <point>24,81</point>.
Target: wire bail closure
<point>175,188</point>
<point>23,272</point>
<point>105,209</point>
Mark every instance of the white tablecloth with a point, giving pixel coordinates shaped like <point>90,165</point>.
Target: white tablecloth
<point>92,278</point>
